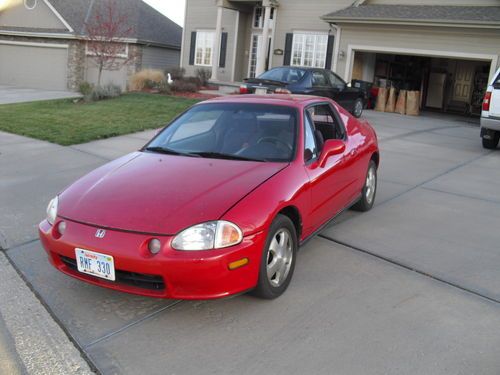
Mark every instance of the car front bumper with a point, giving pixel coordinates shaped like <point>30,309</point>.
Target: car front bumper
<point>168,274</point>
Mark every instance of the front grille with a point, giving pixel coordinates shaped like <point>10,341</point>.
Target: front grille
<point>139,280</point>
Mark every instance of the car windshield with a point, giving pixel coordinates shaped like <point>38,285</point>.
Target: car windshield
<point>239,131</point>
<point>290,75</point>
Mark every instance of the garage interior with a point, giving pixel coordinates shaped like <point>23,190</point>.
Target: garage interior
<point>446,85</point>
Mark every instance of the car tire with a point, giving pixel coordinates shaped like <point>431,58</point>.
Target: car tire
<point>369,190</point>
<point>278,259</point>
<point>358,108</point>
<point>492,142</point>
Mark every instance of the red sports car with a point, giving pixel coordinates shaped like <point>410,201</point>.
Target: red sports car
<point>218,202</point>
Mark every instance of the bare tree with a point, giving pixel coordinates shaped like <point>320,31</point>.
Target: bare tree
<point>107,31</point>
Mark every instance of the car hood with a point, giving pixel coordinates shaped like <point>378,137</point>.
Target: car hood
<point>162,194</point>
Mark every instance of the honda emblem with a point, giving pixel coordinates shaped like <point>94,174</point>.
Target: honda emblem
<point>100,233</point>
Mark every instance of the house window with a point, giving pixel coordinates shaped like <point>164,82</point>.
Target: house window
<point>258,17</point>
<point>309,50</point>
<point>204,48</point>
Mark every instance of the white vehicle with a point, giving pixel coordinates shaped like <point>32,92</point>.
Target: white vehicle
<point>490,115</point>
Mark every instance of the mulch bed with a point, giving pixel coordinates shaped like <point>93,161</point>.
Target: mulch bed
<point>194,95</point>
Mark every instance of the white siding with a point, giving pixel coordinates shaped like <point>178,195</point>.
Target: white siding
<point>40,17</point>
<point>441,41</point>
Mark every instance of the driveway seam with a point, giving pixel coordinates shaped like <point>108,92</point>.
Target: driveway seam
<point>88,153</point>
<point>68,334</point>
<point>410,268</point>
<point>382,140</point>
<point>131,324</point>
<point>461,195</point>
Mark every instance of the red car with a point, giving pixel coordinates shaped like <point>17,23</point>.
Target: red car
<point>218,202</point>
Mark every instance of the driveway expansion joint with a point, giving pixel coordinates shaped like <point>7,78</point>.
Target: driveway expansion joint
<point>410,268</point>
<point>131,324</point>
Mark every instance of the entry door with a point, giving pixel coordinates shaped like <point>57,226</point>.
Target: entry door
<point>255,44</point>
<point>464,77</point>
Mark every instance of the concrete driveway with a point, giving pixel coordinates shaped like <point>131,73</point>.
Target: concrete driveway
<point>11,94</point>
<point>412,287</point>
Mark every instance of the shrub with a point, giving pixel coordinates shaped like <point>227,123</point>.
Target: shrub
<point>184,86</point>
<point>203,75</point>
<point>176,73</point>
<point>164,88</point>
<point>105,92</point>
<point>85,88</point>
<point>147,78</point>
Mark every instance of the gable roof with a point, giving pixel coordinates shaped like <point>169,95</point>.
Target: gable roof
<point>149,26</point>
<point>484,16</point>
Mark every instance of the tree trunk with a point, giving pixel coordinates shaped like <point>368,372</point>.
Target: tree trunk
<point>100,75</point>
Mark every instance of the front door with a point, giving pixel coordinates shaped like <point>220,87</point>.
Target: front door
<point>464,76</point>
<point>255,44</point>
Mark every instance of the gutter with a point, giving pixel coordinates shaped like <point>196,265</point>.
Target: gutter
<point>392,21</point>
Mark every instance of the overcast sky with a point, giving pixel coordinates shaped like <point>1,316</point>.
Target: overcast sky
<point>173,9</point>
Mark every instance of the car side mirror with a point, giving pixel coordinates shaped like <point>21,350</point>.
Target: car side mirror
<point>330,148</point>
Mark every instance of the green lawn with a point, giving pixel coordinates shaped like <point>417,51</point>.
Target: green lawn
<point>67,123</point>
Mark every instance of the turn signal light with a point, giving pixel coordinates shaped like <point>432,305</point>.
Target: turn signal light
<point>486,101</point>
<point>154,246</point>
<point>243,89</point>
<point>238,264</point>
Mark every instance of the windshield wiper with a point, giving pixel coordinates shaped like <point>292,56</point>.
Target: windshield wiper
<point>218,155</point>
<point>169,151</point>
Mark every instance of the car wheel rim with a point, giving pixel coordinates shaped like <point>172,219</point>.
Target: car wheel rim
<point>279,257</point>
<point>358,108</point>
<point>371,183</point>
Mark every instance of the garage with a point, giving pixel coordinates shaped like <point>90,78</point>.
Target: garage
<point>444,84</point>
<point>33,65</point>
<point>444,55</point>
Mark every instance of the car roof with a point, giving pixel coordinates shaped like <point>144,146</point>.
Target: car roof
<point>291,100</point>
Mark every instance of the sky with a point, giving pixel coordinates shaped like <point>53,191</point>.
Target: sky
<point>173,9</point>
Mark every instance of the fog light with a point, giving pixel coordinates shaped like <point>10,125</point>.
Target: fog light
<point>154,246</point>
<point>61,227</point>
<point>238,264</point>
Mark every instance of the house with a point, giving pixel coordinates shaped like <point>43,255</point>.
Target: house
<point>42,43</point>
<point>446,49</point>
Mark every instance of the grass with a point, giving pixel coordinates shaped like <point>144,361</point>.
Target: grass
<point>67,123</point>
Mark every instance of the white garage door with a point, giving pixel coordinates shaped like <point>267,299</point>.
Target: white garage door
<point>33,66</point>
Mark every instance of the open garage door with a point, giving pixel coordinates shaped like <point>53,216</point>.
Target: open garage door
<point>34,66</point>
<point>447,84</point>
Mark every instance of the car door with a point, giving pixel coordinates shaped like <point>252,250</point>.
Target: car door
<point>320,84</point>
<point>331,185</point>
<point>340,91</point>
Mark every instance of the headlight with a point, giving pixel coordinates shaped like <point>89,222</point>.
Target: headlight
<point>207,236</point>
<point>52,210</point>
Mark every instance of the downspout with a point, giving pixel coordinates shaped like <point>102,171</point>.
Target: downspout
<point>338,34</point>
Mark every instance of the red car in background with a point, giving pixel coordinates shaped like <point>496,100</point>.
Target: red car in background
<point>218,202</point>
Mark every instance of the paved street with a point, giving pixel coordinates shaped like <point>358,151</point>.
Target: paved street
<point>411,287</point>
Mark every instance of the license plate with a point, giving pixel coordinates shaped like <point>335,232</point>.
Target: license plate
<point>95,264</point>
<point>261,90</point>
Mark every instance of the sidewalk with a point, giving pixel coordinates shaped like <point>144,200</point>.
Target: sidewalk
<point>30,340</point>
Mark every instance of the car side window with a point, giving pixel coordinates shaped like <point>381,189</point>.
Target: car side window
<point>310,148</point>
<point>326,122</point>
<point>319,79</point>
<point>336,81</point>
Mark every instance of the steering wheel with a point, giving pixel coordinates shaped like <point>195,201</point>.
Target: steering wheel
<point>276,141</point>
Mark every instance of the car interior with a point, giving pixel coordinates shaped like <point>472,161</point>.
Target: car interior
<point>250,133</point>
<point>326,124</point>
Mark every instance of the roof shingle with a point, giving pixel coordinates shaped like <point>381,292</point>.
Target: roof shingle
<point>149,25</point>
<point>422,13</point>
